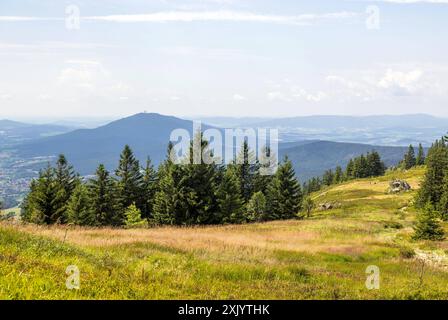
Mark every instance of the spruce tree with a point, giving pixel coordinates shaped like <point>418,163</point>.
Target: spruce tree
<point>375,167</point>
<point>149,188</point>
<point>306,187</point>
<point>103,192</point>
<point>420,156</point>
<point>313,185</point>
<point>166,198</point>
<point>409,158</point>
<point>79,210</point>
<point>256,208</point>
<point>442,205</point>
<point>41,202</point>
<point>316,184</point>
<point>284,196</point>
<point>247,170</point>
<point>338,175</point>
<point>66,180</point>
<point>264,170</point>
<point>133,217</point>
<point>229,199</point>
<point>197,188</point>
<point>130,179</point>
<point>428,227</point>
<point>363,167</point>
<point>26,208</point>
<point>349,171</point>
<point>432,187</point>
<point>328,178</point>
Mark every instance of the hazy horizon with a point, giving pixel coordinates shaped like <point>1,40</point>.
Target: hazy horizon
<point>106,119</point>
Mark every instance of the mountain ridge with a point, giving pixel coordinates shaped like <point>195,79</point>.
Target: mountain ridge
<point>148,135</point>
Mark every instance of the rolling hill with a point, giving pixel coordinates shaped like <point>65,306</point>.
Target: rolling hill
<point>313,158</point>
<point>147,133</point>
<point>13,132</point>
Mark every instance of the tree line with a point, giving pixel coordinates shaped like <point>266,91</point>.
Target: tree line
<point>172,194</point>
<point>410,160</point>
<point>364,166</point>
<point>432,197</point>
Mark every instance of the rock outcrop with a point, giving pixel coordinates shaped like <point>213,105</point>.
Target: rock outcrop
<point>398,186</point>
<point>329,206</point>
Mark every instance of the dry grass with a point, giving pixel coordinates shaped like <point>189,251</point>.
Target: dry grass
<point>319,234</point>
<point>324,256</point>
<point>298,236</point>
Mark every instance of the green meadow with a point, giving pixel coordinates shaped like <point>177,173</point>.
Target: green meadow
<point>324,256</point>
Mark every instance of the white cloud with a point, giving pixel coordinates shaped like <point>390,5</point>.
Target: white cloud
<point>401,83</point>
<point>83,62</point>
<point>234,16</point>
<point>394,81</point>
<point>310,97</point>
<point>287,91</point>
<point>191,16</point>
<point>238,97</point>
<point>276,95</point>
<point>5,96</point>
<point>70,75</point>
<point>210,53</point>
<point>25,19</point>
<point>43,97</point>
<point>88,75</point>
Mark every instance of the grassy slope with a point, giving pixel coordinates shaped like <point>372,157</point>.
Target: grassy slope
<point>324,257</point>
<point>6,211</point>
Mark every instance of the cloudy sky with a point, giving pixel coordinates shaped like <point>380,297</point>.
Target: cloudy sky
<point>222,57</point>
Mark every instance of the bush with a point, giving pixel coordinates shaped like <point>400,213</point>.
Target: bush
<point>407,253</point>
<point>308,206</point>
<point>256,207</point>
<point>393,225</point>
<point>133,217</point>
<point>428,226</point>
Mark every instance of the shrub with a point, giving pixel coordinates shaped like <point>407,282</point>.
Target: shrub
<point>407,253</point>
<point>133,217</point>
<point>393,225</point>
<point>256,207</point>
<point>428,226</point>
<point>308,206</point>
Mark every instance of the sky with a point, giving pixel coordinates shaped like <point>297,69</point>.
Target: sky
<point>256,58</point>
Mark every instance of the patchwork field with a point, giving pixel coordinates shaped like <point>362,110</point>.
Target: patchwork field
<point>321,257</point>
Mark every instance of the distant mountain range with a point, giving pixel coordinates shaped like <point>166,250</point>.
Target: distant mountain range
<point>387,130</point>
<point>12,132</point>
<point>353,122</point>
<point>148,134</point>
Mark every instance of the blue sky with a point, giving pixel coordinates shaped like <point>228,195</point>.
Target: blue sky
<point>222,57</point>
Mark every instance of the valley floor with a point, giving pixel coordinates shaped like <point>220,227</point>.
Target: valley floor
<point>322,257</point>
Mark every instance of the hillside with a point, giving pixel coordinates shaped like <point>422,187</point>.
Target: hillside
<point>313,158</point>
<point>13,132</point>
<point>322,257</point>
<point>147,133</point>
